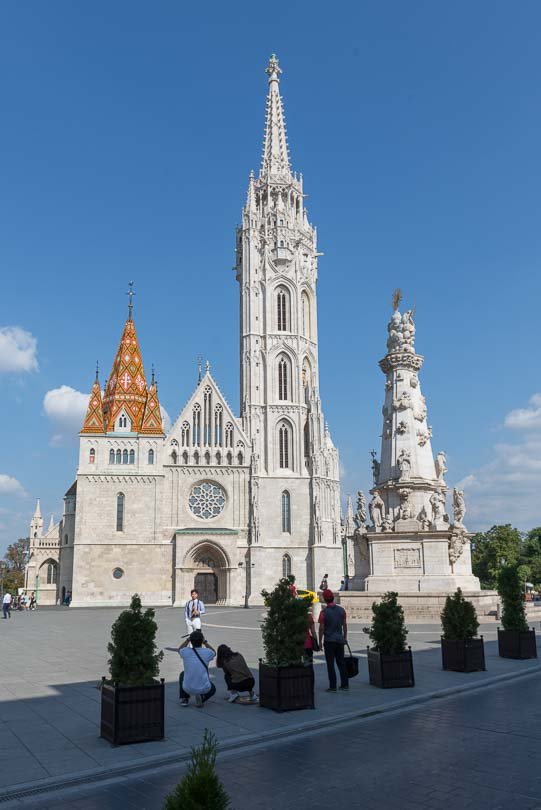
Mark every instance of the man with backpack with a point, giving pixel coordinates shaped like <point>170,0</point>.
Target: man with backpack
<point>333,631</point>
<point>195,679</point>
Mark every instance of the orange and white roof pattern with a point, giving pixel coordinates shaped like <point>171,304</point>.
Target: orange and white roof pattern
<point>94,413</point>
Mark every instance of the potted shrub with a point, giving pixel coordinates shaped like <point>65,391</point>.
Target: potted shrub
<point>285,681</point>
<point>200,786</point>
<point>132,700</point>
<point>516,640</point>
<point>461,651</point>
<point>390,662</point>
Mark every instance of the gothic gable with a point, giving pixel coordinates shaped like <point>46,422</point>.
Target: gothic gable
<point>207,432</point>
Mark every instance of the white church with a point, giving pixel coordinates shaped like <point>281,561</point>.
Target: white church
<point>225,503</point>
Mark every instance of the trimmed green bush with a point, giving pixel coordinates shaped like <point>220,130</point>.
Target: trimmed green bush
<point>134,660</point>
<point>459,618</point>
<point>388,632</point>
<point>200,788</point>
<point>510,588</point>
<point>285,625</point>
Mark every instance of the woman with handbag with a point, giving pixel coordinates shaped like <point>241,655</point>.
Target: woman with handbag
<point>237,675</point>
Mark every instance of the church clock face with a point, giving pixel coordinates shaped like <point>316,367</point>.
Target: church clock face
<point>206,500</point>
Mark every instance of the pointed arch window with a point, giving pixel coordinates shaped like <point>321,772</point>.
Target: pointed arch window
<point>122,421</point>
<point>185,457</point>
<point>218,421</point>
<point>119,456</point>
<point>92,456</point>
<point>218,458</point>
<point>307,439</point>
<point>286,565</point>
<point>285,454</point>
<point>150,456</point>
<point>124,456</point>
<point>196,457</point>
<point>120,499</point>
<point>229,435</point>
<point>240,458</point>
<point>286,512</point>
<point>284,377</point>
<point>132,456</point>
<point>207,457</point>
<point>111,456</point>
<point>207,424</point>
<point>51,573</point>
<point>174,457</point>
<point>185,434</point>
<point>282,309</point>
<point>196,424</point>
<point>306,315</point>
<point>230,458</point>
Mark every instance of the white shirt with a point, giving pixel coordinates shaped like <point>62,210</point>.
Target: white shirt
<point>7,599</point>
<point>196,678</point>
<point>194,603</point>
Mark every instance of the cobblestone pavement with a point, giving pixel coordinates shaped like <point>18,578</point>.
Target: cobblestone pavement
<point>53,659</point>
<point>479,750</point>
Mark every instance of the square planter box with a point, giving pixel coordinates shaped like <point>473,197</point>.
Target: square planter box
<point>390,671</point>
<point>286,688</point>
<point>463,656</point>
<point>517,644</point>
<point>132,714</point>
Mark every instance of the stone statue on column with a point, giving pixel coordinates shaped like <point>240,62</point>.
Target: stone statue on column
<point>360,516</point>
<point>459,506</point>
<point>441,465</point>
<point>404,464</point>
<point>377,511</point>
<point>437,502</point>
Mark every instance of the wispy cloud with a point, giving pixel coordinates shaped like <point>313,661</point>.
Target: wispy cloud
<point>18,350</point>
<point>10,486</point>
<point>507,489</point>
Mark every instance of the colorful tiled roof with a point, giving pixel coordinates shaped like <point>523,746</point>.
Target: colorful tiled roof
<point>94,414</point>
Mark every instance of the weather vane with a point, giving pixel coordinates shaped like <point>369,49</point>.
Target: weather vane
<point>130,295</point>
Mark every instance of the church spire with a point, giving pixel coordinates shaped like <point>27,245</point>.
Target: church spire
<point>275,161</point>
<point>94,413</point>
<point>126,392</point>
<point>152,420</point>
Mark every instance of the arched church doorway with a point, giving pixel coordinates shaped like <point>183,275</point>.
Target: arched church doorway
<point>206,568</point>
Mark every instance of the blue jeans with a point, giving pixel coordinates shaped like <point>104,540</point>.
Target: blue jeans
<point>185,696</point>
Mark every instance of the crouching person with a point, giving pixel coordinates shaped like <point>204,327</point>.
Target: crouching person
<point>196,655</point>
<point>238,677</point>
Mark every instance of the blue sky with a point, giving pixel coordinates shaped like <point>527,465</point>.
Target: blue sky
<point>128,133</point>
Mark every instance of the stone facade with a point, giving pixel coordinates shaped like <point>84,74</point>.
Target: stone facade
<point>228,504</point>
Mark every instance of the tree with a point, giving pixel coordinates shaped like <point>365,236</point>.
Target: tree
<point>388,632</point>
<point>491,550</point>
<point>134,660</point>
<point>531,555</point>
<point>200,788</point>
<point>459,618</point>
<point>16,557</point>
<point>285,625</point>
<point>511,590</point>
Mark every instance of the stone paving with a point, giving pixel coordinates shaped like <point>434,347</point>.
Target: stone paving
<point>52,661</point>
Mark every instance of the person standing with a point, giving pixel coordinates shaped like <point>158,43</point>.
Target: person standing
<point>195,680</point>
<point>6,605</point>
<point>324,583</point>
<point>193,611</point>
<point>333,631</point>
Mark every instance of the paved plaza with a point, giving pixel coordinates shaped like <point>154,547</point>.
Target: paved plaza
<point>475,751</point>
<point>49,705</point>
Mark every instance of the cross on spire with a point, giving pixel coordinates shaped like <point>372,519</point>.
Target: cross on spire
<point>199,367</point>
<point>130,295</point>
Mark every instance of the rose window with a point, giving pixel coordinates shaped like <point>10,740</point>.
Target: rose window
<point>207,500</point>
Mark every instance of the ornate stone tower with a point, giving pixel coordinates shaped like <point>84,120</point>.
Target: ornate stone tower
<point>295,486</point>
<point>411,543</point>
